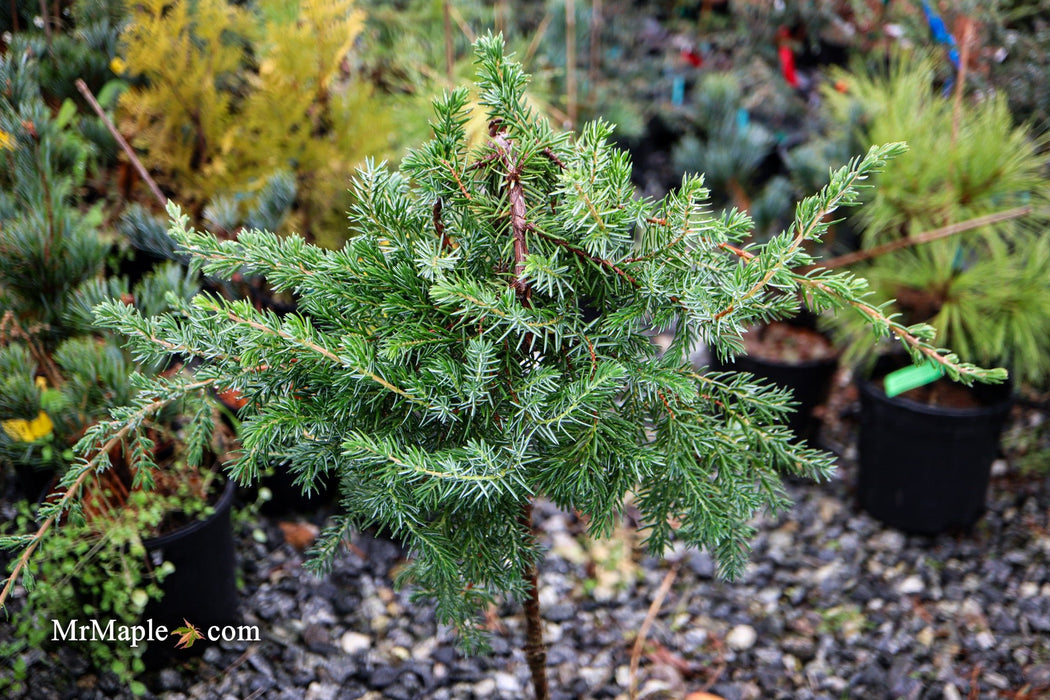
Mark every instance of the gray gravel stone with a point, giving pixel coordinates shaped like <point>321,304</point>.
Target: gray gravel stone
<point>322,691</point>
<point>353,643</point>
<point>485,688</point>
<point>701,564</point>
<point>832,605</point>
<point>560,612</point>
<point>741,637</point>
<point>170,680</point>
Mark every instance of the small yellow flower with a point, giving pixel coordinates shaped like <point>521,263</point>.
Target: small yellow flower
<point>7,141</point>
<point>118,65</point>
<point>28,430</point>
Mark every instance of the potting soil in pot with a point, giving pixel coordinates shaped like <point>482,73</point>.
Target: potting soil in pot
<point>795,357</point>
<point>787,343</point>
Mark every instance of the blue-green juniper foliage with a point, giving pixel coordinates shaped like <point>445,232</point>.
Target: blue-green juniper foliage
<point>483,338</point>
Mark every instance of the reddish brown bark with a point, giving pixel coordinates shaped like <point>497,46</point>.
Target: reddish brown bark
<point>535,649</point>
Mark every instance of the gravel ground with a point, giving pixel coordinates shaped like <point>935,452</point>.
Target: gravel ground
<point>833,605</point>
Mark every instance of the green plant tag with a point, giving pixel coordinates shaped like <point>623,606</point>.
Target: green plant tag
<point>911,377</point>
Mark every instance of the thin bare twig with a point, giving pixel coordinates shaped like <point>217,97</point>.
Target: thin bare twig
<point>245,655</point>
<point>537,36</point>
<point>463,25</point>
<point>135,162</point>
<point>924,237</point>
<point>643,631</point>
<point>462,187</point>
<point>975,686</point>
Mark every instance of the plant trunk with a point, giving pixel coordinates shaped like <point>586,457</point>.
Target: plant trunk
<point>535,650</point>
<point>449,48</point>
<point>570,60</point>
<point>47,23</point>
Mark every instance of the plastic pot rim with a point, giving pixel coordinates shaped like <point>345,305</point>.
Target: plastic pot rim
<point>804,364</point>
<point>223,504</point>
<point>867,387</point>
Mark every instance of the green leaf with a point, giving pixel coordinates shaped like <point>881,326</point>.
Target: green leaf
<point>109,93</point>
<point>66,112</point>
<point>139,598</point>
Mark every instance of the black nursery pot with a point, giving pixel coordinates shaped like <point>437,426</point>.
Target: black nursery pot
<point>202,589</point>
<point>287,497</point>
<point>809,381</point>
<point>925,469</point>
<point>32,482</point>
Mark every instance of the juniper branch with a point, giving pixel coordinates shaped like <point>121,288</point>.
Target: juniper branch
<point>74,479</point>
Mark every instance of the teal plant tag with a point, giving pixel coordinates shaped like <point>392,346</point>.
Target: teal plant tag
<point>743,118</point>
<point>911,377</point>
<point>678,91</point>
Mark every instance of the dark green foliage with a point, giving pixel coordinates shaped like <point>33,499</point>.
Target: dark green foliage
<point>52,261</point>
<point>60,374</point>
<point>84,51</point>
<point>481,340</point>
<point>47,246</point>
<point>81,44</point>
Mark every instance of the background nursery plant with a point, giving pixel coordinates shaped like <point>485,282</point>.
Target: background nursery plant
<point>57,372</point>
<point>985,289</point>
<point>481,341</point>
<point>60,374</point>
<point>226,95</point>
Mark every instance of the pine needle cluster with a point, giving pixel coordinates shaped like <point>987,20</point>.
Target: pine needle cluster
<point>986,290</point>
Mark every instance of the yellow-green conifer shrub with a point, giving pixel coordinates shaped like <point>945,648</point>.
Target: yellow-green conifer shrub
<point>182,120</point>
<point>233,95</point>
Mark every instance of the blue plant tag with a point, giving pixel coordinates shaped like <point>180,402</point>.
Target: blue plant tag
<point>743,118</point>
<point>678,91</point>
<point>911,377</point>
